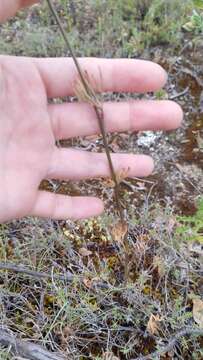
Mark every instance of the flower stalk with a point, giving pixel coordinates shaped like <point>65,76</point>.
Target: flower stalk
<point>87,92</point>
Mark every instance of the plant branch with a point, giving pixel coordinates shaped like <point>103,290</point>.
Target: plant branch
<point>67,277</point>
<point>40,275</point>
<point>26,349</point>
<point>97,106</point>
<point>171,343</point>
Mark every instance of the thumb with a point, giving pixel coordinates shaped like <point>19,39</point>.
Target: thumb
<point>9,8</point>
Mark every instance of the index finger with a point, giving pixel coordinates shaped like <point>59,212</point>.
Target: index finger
<point>117,75</point>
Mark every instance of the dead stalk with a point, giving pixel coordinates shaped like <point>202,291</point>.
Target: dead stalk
<point>25,349</point>
<point>85,91</point>
<point>92,98</point>
<point>19,269</point>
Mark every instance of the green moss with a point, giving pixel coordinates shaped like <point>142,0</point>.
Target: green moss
<point>191,227</point>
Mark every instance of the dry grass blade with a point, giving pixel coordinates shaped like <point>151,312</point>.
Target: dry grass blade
<point>87,93</point>
<point>119,231</point>
<point>153,324</point>
<point>197,312</point>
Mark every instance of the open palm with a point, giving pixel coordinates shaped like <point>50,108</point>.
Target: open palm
<point>29,128</point>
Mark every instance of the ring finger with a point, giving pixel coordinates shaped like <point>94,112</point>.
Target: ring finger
<point>75,164</point>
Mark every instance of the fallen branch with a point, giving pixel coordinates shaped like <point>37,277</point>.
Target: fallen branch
<point>20,269</point>
<point>26,349</point>
<point>182,93</point>
<point>184,174</point>
<point>171,344</point>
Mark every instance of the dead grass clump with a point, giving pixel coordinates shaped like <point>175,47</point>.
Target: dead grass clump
<point>97,310</point>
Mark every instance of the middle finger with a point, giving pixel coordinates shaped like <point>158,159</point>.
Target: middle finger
<point>79,119</point>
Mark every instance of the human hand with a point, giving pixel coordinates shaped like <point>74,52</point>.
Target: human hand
<point>8,8</point>
<point>29,128</point>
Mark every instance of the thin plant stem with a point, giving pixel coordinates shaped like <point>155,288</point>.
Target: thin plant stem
<point>97,106</point>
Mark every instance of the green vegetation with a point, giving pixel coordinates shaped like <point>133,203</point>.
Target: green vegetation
<point>135,26</point>
<point>191,227</point>
<point>5,355</point>
<point>195,23</point>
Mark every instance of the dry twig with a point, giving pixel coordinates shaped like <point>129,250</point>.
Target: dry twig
<point>26,349</point>
<point>87,92</point>
<point>67,277</point>
<point>182,93</point>
<point>40,275</point>
<point>171,343</point>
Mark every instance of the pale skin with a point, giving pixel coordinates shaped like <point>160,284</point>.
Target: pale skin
<point>29,127</point>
